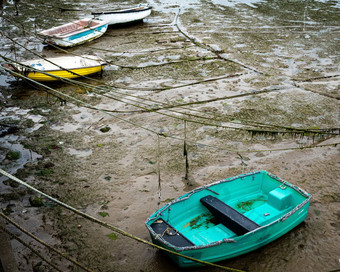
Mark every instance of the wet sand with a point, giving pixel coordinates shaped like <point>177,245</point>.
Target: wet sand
<point>218,69</point>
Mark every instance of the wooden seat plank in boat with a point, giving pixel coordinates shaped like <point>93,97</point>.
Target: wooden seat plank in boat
<point>228,216</point>
<point>170,234</point>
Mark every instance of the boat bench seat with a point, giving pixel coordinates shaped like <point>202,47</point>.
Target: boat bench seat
<point>170,234</point>
<point>228,216</point>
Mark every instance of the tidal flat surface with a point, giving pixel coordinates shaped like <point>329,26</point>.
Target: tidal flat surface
<point>248,81</point>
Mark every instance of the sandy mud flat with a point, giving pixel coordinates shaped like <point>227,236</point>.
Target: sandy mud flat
<point>247,85</point>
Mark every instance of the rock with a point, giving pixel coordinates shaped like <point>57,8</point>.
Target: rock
<point>105,129</point>
<point>36,201</point>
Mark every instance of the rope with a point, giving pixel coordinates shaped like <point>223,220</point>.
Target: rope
<point>111,227</point>
<point>79,101</point>
<point>28,67</point>
<point>185,152</point>
<point>289,130</point>
<point>159,170</point>
<point>219,54</point>
<point>299,130</point>
<point>173,137</point>
<point>168,232</point>
<point>31,51</point>
<point>242,162</point>
<point>28,246</point>
<point>45,244</point>
<point>251,130</point>
<point>254,124</point>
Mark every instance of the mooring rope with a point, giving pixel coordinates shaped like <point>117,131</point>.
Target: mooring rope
<point>159,170</point>
<point>29,247</point>
<point>288,130</point>
<point>253,124</point>
<point>249,129</point>
<point>111,227</point>
<point>45,244</point>
<point>218,53</point>
<point>185,152</point>
<point>174,137</point>
<point>41,57</point>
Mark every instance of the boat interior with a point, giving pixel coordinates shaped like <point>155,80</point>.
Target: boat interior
<point>72,28</point>
<point>226,212</point>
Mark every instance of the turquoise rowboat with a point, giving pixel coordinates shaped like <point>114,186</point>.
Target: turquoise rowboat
<point>228,218</point>
<point>74,33</point>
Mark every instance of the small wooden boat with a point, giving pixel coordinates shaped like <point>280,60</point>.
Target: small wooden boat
<point>74,33</point>
<point>228,218</point>
<point>123,16</point>
<point>53,69</point>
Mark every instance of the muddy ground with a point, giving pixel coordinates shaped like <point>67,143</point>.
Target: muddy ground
<point>230,77</point>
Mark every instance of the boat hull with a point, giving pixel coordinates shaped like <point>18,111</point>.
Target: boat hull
<point>70,35</point>
<point>124,16</point>
<point>57,75</point>
<point>52,69</point>
<point>216,243</point>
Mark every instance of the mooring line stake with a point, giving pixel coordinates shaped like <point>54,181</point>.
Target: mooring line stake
<point>242,162</point>
<point>159,171</point>
<point>186,152</point>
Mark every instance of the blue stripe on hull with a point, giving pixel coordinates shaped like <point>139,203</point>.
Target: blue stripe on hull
<point>88,33</point>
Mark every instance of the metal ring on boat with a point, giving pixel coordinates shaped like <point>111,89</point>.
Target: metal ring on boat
<point>283,186</point>
<point>168,231</point>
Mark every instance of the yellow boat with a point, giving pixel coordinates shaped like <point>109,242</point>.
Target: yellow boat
<point>58,68</point>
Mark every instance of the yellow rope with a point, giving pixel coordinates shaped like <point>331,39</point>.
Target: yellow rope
<point>45,244</point>
<point>113,228</point>
<point>249,129</point>
<point>254,124</point>
<point>84,104</point>
<point>28,246</point>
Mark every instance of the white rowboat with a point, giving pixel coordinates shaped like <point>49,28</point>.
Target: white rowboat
<point>123,16</point>
<point>74,33</point>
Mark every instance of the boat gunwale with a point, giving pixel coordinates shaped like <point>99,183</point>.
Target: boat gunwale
<point>133,10</point>
<point>216,243</point>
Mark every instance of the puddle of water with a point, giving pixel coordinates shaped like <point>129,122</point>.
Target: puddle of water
<point>26,156</point>
<point>80,153</point>
<point>87,120</point>
<point>5,80</point>
<point>15,113</point>
<point>184,4</point>
<point>231,3</point>
<point>292,69</point>
<point>66,127</point>
<point>11,142</point>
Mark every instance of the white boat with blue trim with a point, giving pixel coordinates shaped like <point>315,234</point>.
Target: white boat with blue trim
<point>74,33</point>
<point>123,16</point>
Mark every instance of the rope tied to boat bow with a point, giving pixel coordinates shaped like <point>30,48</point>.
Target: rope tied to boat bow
<point>111,227</point>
